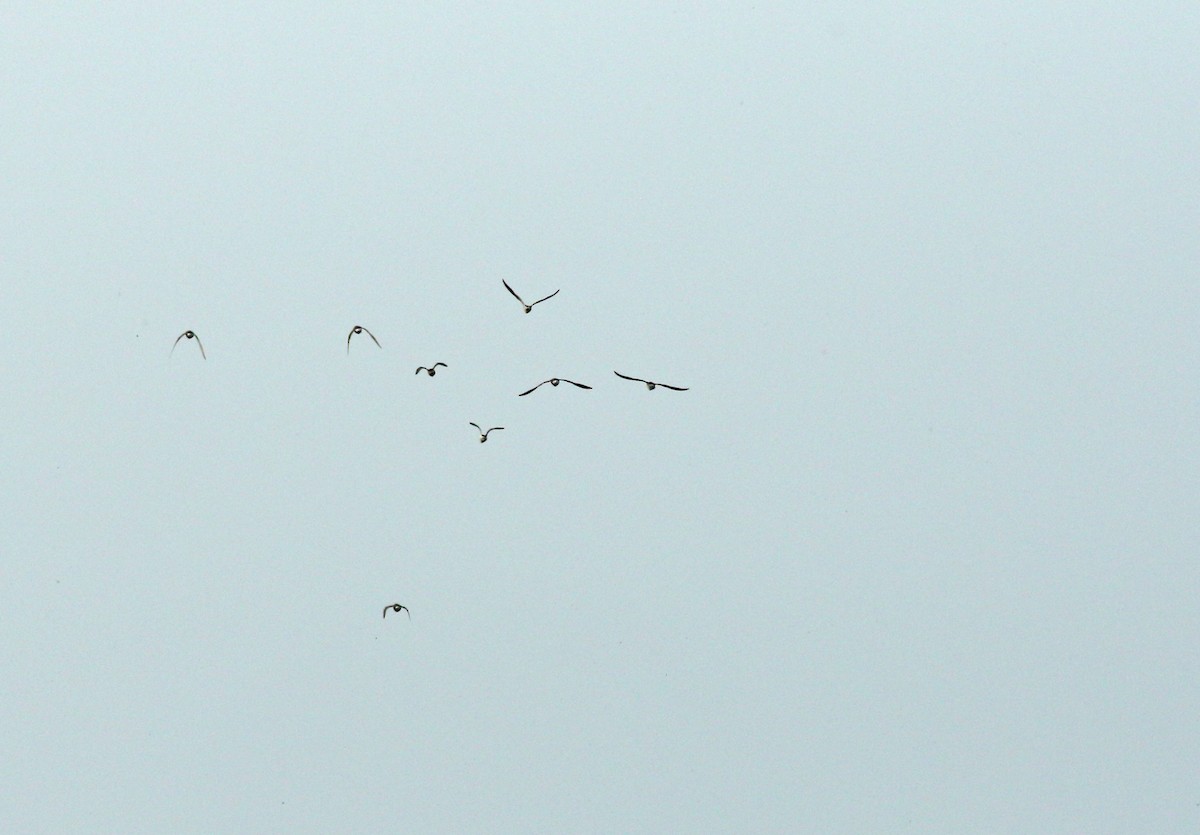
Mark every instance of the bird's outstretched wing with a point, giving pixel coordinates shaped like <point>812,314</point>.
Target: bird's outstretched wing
<point>673,388</point>
<point>552,295</point>
<point>535,388</point>
<point>627,377</point>
<point>420,368</point>
<point>572,382</point>
<point>176,342</point>
<point>476,425</point>
<point>493,429</point>
<point>201,344</point>
<point>442,364</point>
<point>385,610</point>
<point>373,339</point>
<point>511,290</point>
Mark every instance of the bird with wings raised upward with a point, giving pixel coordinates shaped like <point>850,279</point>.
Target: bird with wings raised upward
<point>483,435</point>
<point>528,307</point>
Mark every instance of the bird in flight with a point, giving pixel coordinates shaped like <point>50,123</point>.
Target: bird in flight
<point>360,329</point>
<point>528,307</point>
<point>431,370</point>
<point>554,381</point>
<point>189,335</point>
<point>396,607</point>
<point>483,435</point>
<point>649,384</point>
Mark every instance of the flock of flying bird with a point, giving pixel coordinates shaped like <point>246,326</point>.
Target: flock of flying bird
<point>432,370</point>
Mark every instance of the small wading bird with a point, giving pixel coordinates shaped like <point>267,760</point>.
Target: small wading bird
<point>396,607</point>
<point>360,329</point>
<point>431,370</point>
<point>649,384</point>
<point>528,307</point>
<point>554,381</point>
<point>190,335</point>
<point>483,435</point>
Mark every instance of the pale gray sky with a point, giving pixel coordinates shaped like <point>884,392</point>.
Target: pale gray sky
<point>916,553</point>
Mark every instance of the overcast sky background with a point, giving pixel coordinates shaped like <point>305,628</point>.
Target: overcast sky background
<point>916,552</point>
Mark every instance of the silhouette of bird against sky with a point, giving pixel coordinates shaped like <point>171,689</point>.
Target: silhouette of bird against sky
<point>189,335</point>
<point>649,384</point>
<point>360,329</point>
<point>554,381</point>
<point>528,307</point>
<point>483,435</point>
